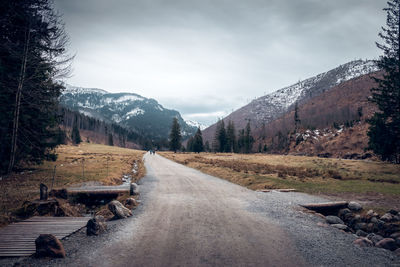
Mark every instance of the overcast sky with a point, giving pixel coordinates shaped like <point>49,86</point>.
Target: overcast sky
<point>205,58</point>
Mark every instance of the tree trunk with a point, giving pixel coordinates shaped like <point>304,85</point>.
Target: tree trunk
<point>21,79</point>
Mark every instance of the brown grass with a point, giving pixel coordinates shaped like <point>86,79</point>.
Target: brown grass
<point>332,177</point>
<point>86,163</point>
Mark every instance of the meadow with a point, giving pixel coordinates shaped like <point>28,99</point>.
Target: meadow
<point>375,183</point>
<point>75,165</point>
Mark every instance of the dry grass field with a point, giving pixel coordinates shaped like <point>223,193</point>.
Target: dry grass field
<point>86,163</point>
<point>375,183</point>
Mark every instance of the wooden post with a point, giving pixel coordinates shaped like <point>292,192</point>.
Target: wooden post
<point>54,176</point>
<point>43,192</point>
<point>83,168</point>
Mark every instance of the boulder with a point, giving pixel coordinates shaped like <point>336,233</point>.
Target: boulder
<point>395,235</point>
<point>387,243</point>
<point>119,211</point>
<point>49,246</point>
<point>348,217</point>
<point>363,242</point>
<point>387,217</point>
<point>334,220</point>
<point>398,241</point>
<point>341,227</point>
<point>393,212</point>
<point>370,214</point>
<point>354,206</point>
<point>360,226</point>
<point>134,189</point>
<point>343,212</point>
<point>130,203</point>
<point>374,238</point>
<point>361,233</point>
<point>96,226</point>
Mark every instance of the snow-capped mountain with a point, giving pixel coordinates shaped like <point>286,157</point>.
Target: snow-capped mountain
<point>266,108</point>
<point>196,124</point>
<point>132,111</point>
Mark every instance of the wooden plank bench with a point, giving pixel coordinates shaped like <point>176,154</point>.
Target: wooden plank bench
<point>18,239</point>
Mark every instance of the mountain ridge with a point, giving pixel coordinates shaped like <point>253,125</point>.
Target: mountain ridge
<point>130,110</point>
<point>269,107</point>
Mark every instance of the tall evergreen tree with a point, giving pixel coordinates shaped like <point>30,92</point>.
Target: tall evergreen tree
<point>75,135</point>
<point>248,139</point>
<point>220,137</point>
<point>384,131</point>
<point>32,53</point>
<point>296,118</point>
<point>230,137</point>
<point>110,139</point>
<point>198,142</point>
<point>175,136</point>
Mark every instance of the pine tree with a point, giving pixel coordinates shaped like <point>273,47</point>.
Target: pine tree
<point>75,135</point>
<point>384,131</point>
<point>175,136</point>
<point>198,142</point>
<point>110,139</point>
<point>230,137</point>
<point>220,137</point>
<point>207,146</point>
<point>32,53</point>
<point>248,139</point>
<point>296,118</point>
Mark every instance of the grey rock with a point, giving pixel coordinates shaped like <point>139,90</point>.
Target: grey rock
<point>341,227</point>
<point>374,220</point>
<point>342,213</point>
<point>396,218</point>
<point>387,243</point>
<point>398,241</point>
<point>374,238</point>
<point>361,233</point>
<point>334,220</point>
<point>96,226</point>
<point>395,235</point>
<point>371,214</point>
<point>360,226</point>
<point>130,203</point>
<point>354,206</point>
<point>48,245</point>
<point>363,242</point>
<point>119,211</point>
<point>387,217</point>
<point>393,212</point>
<point>134,189</point>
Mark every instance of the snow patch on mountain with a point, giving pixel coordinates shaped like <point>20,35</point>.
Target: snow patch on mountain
<point>268,106</point>
<point>134,112</point>
<point>196,124</point>
<point>127,98</point>
<point>69,89</point>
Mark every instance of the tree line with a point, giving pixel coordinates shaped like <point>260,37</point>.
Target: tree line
<point>226,140</point>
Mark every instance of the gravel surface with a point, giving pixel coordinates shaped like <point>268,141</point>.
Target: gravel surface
<point>188,218</point>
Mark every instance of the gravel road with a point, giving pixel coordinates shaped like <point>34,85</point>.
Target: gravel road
<point>188,218</point>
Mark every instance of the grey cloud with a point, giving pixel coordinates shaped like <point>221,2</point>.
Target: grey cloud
<point>205,49</point>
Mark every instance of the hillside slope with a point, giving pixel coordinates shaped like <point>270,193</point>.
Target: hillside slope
<point>333,123</point>
<point>265,109</point>
<point>143,115</point>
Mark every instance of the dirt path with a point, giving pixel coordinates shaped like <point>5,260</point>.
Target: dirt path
<point>193,220</point>
<point>188,218</point>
